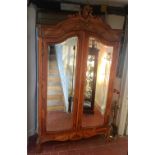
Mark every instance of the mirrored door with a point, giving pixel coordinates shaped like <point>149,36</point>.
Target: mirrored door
<point>61,69</point>
<point>99,61</point>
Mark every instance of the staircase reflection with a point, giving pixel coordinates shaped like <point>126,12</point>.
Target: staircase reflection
<point>55,98</point>
<point>60,86</point>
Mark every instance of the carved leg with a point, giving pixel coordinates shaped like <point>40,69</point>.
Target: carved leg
<point>38,146</point>
<point>111,134</point>
<point>108,137</point>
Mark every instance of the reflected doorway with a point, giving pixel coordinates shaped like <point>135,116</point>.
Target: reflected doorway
<point>60,84</point>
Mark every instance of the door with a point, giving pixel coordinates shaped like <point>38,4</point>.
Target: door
<point>99,66</point>
<point>59,76</point>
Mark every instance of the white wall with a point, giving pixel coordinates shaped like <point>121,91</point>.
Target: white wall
<point>123,100</point>
<point>31,69</point>
<point>115,21</point>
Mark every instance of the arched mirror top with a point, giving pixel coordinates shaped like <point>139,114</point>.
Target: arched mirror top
<point>83,21</point>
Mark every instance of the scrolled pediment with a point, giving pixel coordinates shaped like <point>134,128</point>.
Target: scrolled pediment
<point>83,21</point>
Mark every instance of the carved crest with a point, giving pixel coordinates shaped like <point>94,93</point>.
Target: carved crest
<point>83,21</point>
<point>86,11</point>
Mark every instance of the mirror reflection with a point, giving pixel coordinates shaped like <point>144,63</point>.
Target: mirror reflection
<point>60,84</point>
<point>97,79</point>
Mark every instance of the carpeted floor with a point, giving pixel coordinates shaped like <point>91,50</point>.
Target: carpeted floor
<point>90,146</point>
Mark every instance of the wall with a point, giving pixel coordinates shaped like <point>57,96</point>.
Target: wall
<point>122,119</point>
<point>115,21</point>
<point>31,70</point>
<point>63,77</point>
<point>65,58</point>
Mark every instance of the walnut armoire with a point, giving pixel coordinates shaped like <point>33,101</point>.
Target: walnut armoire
<point>71,78</point>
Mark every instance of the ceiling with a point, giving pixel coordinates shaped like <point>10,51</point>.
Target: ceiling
<point>97,2</point>
<point>119,7</point>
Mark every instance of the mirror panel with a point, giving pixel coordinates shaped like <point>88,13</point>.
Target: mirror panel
<point>97,80</point>
<point>61,84</point>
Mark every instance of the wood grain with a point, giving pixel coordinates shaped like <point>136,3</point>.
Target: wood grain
<point>82,26</point>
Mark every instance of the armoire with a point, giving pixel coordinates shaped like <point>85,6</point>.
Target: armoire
<point>77,65</point>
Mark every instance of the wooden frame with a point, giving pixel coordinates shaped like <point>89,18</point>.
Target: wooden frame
<point>82,25</point>
<point>91,108</point>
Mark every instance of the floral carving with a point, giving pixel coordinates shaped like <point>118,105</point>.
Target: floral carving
<point>86,12</point>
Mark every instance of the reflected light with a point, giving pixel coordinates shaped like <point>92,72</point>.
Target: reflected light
<point>101,69</point>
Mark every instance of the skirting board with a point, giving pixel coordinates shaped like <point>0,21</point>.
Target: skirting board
<point>31,132</point>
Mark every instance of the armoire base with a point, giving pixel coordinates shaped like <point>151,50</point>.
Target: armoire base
<point>72,135</point>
